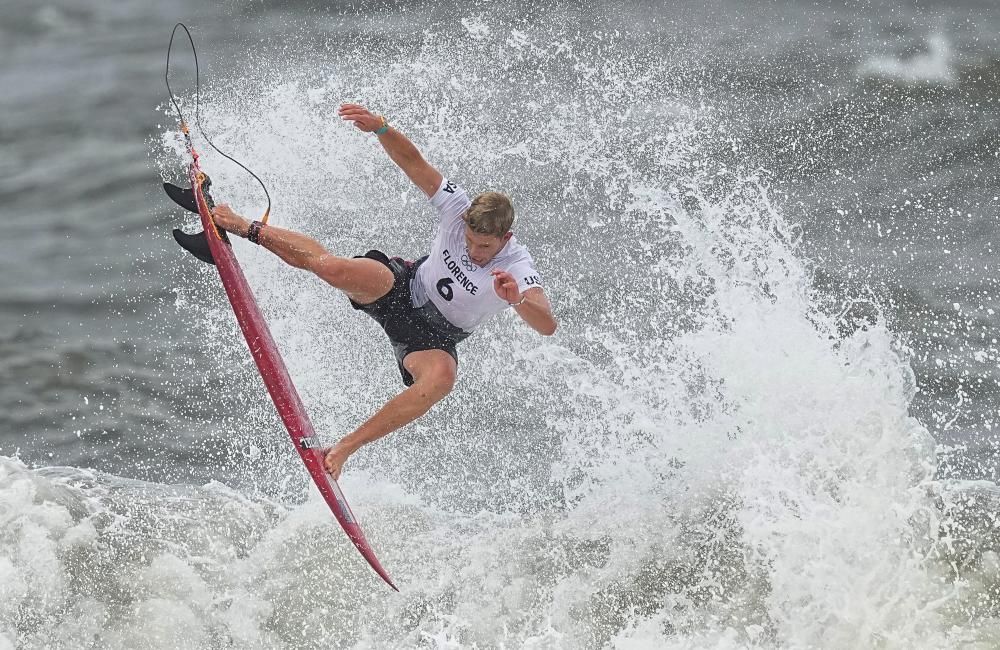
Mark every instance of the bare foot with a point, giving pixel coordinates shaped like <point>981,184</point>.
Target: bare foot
<point>334,458</point>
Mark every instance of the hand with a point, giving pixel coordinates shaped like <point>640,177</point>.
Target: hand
<point>229,221</point>
<point>505,286</point>
<point>363,118</point>
<point>334,458</point>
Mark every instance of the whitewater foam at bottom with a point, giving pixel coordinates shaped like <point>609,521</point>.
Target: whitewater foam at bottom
<point>709,454</point>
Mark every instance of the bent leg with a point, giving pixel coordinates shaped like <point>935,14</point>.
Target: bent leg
<point>434,373</point>
<point>363,279</point>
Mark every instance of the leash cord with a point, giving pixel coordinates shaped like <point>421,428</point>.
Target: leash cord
<point>197,112</point>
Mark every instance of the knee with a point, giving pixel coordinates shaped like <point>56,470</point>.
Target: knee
<point>436,381</point>
<point>439,384</point>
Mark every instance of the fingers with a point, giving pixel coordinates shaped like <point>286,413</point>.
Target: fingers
<point>361,119</point>
<point>354,115</point>
<point>505,286</point>
<point>353,110</point>
<point>331,464</point>
<point>501,281</point>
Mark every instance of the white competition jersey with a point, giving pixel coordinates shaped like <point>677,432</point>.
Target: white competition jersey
<point>462,291</point>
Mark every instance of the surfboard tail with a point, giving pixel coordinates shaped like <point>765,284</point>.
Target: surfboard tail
<point>196,244</point>
<point>269,362</point>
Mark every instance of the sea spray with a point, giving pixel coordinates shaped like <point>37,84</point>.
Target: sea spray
<point>705,456</point>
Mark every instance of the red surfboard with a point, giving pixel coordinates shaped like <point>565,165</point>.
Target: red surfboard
<point>275,375</point>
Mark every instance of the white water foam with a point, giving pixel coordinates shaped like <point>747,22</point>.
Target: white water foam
<point>934,66</point>
<point>702,457</point>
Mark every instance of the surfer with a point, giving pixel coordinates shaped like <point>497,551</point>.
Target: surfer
<point>475,269</point>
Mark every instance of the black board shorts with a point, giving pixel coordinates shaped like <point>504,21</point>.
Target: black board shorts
<point>409,328</point>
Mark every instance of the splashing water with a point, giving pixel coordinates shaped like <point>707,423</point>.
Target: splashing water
<point>701,458</point>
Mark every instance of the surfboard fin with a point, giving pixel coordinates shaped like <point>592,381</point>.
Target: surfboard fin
<point>194,244</point>
<point>184,197</point>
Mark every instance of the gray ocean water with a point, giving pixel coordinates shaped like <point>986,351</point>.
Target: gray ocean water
<point>769,418</point>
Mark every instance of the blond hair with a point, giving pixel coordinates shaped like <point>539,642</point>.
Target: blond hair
<point>491,213</point>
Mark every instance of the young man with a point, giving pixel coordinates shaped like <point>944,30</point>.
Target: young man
<point>475,269</point>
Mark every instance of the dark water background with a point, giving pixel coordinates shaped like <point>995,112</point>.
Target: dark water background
<point>874,127</point>
<point>882,148</point>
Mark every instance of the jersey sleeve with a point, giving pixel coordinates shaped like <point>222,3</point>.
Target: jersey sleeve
<point>525,273</point>
<point>451,201</point>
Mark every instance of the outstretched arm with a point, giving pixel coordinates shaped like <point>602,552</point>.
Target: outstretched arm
<point>403,152</point>
<point>532,306</point>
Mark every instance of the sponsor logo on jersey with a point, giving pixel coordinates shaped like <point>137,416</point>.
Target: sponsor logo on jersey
<point>450,187</point>
<point>467,262</point>
<point>531,280</point>
<point>460,277</point>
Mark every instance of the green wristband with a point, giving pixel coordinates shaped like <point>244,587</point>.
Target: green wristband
<point>382,129</point>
